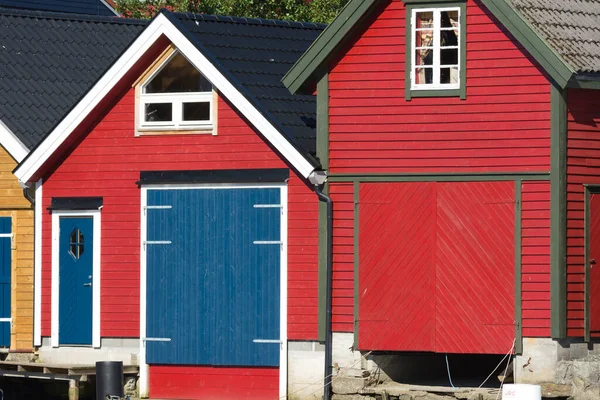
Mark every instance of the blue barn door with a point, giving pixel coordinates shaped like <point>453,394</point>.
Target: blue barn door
<point>5,272</point>
<point>76,257</point>
<point>213,259</point>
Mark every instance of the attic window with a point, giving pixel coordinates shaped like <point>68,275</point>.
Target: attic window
<point>435,54</point>
<point>176,97</point>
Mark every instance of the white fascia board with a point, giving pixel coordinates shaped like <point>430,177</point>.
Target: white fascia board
<point>110,8</point>
<point>12,144</point>
<point>160,26</point>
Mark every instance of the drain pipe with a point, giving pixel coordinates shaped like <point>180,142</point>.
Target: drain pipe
<point>328,301</point>
<point>28,195</point>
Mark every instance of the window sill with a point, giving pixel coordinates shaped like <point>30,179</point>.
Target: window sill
<point>172,131</point>
<point>436,93</point>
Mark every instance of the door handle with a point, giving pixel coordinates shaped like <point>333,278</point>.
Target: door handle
<point>87,284</point>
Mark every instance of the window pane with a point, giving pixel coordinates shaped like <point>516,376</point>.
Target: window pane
<point>424,20</point>
<point>196,111</point>
<point>424,57</point>
<point>449,19</point>
<point>423,38</point>
<point>158,112</point>
<point>449,57</point>
<point>449,37</point>
<point>423,76</point>
<point>178,76</point>
<point>449,75</point>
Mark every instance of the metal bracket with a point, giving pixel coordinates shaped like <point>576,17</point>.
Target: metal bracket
<point>267,341</point>
<point>158,242</point>
<point>156,339</point>
<point>267,242</point>
<point>146,208</point>
<point>268,206</point>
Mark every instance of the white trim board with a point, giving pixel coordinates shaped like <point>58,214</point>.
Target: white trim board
<point>283,296</point>
<point>96,281</point>
<point>12,144</point>
<point>37,266</point>
<point>159,26</point>
<point>110,8</point>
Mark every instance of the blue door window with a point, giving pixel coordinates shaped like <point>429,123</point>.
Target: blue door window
<point>75,280</point>
<point>213,277</point>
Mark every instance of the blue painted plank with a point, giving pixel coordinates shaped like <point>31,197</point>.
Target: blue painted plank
<point>5,280</point>
<point>75,269</point>
<point>213,291</point>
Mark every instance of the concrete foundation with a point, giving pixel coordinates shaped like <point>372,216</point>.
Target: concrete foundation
<point>125,350</point>
<point>305,370</point>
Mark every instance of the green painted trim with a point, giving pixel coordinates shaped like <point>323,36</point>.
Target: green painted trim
<point>583,84</point>
<point>462,91</point>
<point>356,260</point>
<point>322,266</point>
<point>437,177</point>
<point>518,267</point>
<point>552,63</point>
<point>323,121</point>
<point>558,213</point>
<point>331,39</point>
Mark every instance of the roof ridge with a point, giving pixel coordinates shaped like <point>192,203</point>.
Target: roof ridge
<point>252,21</point>
<point>6,11</point>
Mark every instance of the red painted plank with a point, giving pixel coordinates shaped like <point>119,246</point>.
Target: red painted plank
<point>213,383</point>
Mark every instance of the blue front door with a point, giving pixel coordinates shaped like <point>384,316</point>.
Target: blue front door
<point>5,269</point>
<point>213,277</point>
<point>76,254</point>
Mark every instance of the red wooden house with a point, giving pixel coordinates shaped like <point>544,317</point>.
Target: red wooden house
<point>460,141</point>
<point>178,227</point>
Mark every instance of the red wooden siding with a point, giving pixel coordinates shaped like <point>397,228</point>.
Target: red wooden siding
<point>107,163</point>
<point>594,276</point>
<point>437,267</point>
<point>583,159</point>
<point>535,262</point>
<point>343,257</point>
<point>210,383</point>
<point>397,267</point>
<point>502,126</point>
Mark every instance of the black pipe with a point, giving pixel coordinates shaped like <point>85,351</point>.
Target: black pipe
<point>28,196</point>
<point>328,327</point>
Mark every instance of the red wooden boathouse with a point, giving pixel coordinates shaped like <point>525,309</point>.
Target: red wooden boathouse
<point>458,137</point>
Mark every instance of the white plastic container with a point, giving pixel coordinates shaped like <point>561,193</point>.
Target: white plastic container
<point>521,392</point>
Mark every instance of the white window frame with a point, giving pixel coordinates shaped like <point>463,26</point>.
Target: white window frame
<point>176,100</point>
<point>436,66</point>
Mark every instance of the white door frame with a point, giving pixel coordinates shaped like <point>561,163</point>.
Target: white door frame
<point>144,368</point>
<point>56,215</point>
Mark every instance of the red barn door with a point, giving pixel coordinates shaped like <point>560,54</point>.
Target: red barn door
<point>436,267</point>
<point>594,276</point>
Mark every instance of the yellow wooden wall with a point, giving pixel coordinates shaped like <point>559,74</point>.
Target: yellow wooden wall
<point>14,204</point>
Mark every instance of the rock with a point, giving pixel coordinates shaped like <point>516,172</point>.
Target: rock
<point>583,375</point>
<point>347,384</point>
<point>351,397</point>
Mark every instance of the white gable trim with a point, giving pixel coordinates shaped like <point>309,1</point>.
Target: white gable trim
<point>110,7</point>
<point>12,144</point>
<point>160,26</point>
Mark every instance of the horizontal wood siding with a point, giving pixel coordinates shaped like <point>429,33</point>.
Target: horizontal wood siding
<point>13,204</point>
<point>502,126</point>
<point>343,256</point>
<point>583,167</point>
<point>535,262</point>
<point>209,383</point>
<point>108,162</point>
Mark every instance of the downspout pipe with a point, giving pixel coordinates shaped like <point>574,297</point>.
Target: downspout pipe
<point>28,195</point>
<point>328,300</point>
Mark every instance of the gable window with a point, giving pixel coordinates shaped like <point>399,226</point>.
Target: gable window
<point>176,97</point>
<point>435,50</point>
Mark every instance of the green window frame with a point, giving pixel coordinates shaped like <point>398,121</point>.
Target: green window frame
<point>461,90</point>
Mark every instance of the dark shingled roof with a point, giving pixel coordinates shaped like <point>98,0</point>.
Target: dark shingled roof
<point>90,7</point>
<point>49,61</point>
<point>255,54</point>
<point>570,27</point>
